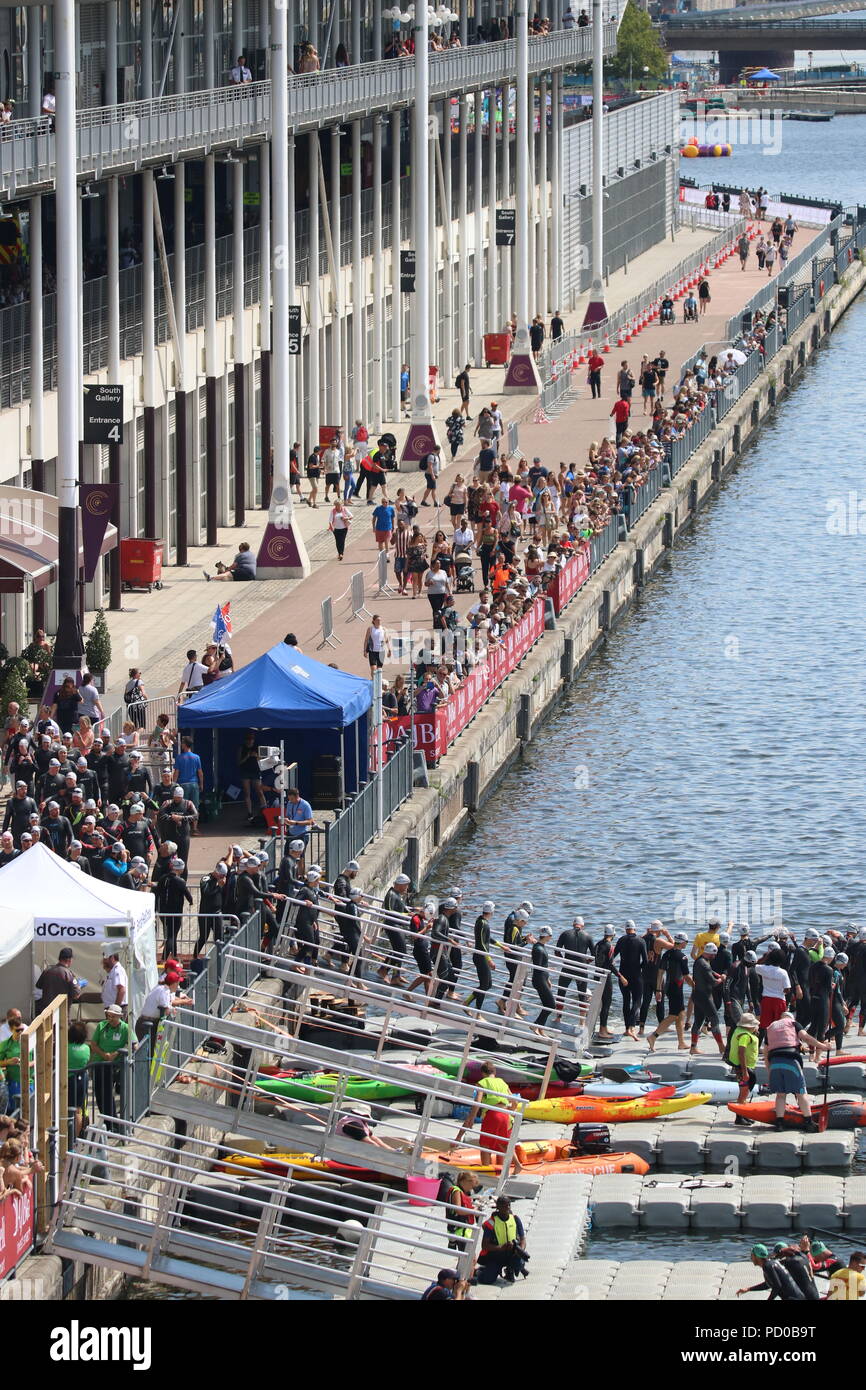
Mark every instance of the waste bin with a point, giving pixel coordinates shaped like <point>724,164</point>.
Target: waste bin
<point>140,564</point>
<point>496,349</point>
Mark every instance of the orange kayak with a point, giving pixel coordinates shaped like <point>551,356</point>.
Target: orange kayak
<point>543,1157</point>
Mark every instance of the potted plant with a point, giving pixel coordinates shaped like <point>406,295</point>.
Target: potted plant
<point>14,684</point>
<point>97,651</point>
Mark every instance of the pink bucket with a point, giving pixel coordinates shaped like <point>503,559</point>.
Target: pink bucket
<point>422,1191</point>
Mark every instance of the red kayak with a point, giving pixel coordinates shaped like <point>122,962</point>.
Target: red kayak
<point>841,1114</point>
<point>842,1057</point>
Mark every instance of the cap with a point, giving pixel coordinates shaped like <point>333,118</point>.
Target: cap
<point>353,866</point>
<point>819,1248</point>
<point>521,916</point>
<point>139,859</point>
<point>21,784</point>
<point>779,1247</point>
<point>250,862</point>
<point>75,844</point>
<point>221,869</point>
<point>121,743</point>
<point>751,957</point>
<point>829,954</point>
<point>114,809</point>
<point>262,856</point>
<point>577,922</point>
<point>171,977</point>
<point>82,761</point>
<point>113,1009</point>
<point>54,762</point>
<point>609,930</point>
<point>313,873</point>
<point>356,893</point>
<point>681,936</point>
<point>177,791</point>
<point>456,893</point>
<point>448,903</point>
<point>545,932</point>
<point>488,906</point>
<point>713,922</point>
<point>236,849</point>
<point>297,845</point>
<point>27,837</point>
<point>403,879</point>
<point>527,905</point>
<point>315,869</point>
<point>135,754</point>
<point>710,949</point>
<point>810,934</point>
<point>841,959</point>
<point>54,805</point>
<point>89,820</point>
<point>176,863</point>
<point>631,925</point>
<point>136,809</point>
<point>783,931</point>
<point>760,1252</point>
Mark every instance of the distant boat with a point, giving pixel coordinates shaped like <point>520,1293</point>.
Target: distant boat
<point>807,115</point>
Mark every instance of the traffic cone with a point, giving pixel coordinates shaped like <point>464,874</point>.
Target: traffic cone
<point>606,347</point>
<point>620,341</point>
<point>582,358</point>
<point>628,331</point>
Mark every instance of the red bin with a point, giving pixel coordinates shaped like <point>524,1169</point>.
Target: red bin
<point>140,564</point>
<point>496,349</point>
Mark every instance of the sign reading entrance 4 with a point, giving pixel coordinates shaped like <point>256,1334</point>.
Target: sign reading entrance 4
<point>506,222</point>
<point>103,414</point>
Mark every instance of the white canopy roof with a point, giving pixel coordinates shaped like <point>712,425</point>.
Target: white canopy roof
<point>16,931</point>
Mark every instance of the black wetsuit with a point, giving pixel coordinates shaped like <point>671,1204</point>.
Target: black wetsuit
<point>395,902</point>
<point>703,975</point>
<point>511,934</point>
<point>572,944</point>
<point>481,962</point>
<point>675,965</point>
<point>541,982</point>
<point>650,982</point>
<point>307,925</point>
<point>604,961</point>
<point>441,950</point>
<point>632,953</point>
<point>739,948</point>
<point>838,1012</point>
<point>799,973</point>
<point>723,962</point>
<point>820,985</point>
<point>420,945</point>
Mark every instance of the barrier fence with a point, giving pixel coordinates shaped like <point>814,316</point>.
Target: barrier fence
<point>357,824</point>
<point>436,730</point>
<point>642,497</point>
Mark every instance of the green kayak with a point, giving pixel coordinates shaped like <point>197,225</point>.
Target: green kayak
<point>319,1085</point>
<point>517,1071</point>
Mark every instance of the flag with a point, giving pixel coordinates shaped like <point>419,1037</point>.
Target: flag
<point>222,622</point>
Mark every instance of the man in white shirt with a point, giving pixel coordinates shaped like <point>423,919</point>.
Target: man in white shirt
<point>192,676</point>
<point>115,988</point>
<point>240,73</point>
<point>464,536</point>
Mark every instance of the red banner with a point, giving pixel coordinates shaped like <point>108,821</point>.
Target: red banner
<point>17,1216</point>
<point>436,731</point>
<point>570,578</point>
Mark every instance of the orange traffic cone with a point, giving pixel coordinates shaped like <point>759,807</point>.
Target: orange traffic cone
<point>620,341</point>
<point>606,347</point>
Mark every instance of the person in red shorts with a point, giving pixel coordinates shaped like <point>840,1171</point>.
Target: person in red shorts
<point>494,1094</point>
<point>776,982</point>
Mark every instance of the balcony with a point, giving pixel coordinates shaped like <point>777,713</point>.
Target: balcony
<point>122,139</point>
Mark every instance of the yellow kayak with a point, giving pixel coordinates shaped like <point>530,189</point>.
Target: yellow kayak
<point>569,1110</point>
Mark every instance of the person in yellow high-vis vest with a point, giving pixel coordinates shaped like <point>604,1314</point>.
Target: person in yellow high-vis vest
<point>503,1246</point>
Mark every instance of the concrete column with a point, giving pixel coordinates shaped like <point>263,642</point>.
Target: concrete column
<point>505,252</point>
<point>296,411</point>
<point>433,257</point>
<point>112,268</point>
<point>421,437</point>
<point>596,310</point>
<point>69,646</point>
<point>265,321</point>
<point>209,47</point>
<point>493,315</point>
<point>180,53</point>
<point>282,552</point>
<point>463,350</point>
<point>533,198</point>
<point>478,327</point>
<point>146,49</point>
<point>148,355</point>
<point>450,326</point>
<point>240,344</point>
<point>378,276</point>
<point>37,308</point>
<point>355,53</point>
<point>522,374</point>
<point>359,298</point>
<point>377,31</point>
<point>396,295</point>
<point>213,432</point>
<point>556,291</point>
<point>181,406</point>
<point>313,388</point>
<point>337,394</point>
<point>34,61</point>
<point>543,204</point>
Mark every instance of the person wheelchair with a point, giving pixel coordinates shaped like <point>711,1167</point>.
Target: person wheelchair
<point>666,313</point>
<point>690,310</point>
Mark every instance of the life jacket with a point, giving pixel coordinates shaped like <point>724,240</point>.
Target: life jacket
<point>504,1231</point>
<point>782,1033</point>
<point>463,1222</point>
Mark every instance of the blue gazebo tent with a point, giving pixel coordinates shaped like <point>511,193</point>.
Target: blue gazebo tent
<point>763,75</point>
<point>313,709</point>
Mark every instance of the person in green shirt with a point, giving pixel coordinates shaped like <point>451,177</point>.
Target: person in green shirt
<point>108,1045</point>
<point>743,1055</point>
<point>77,1062</point>
<point>494,1094</point>
<point>10,1065</point>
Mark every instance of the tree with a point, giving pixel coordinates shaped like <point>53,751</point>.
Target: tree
<point>13,684</point>
<point>97,648</point>
<point>638,47</point>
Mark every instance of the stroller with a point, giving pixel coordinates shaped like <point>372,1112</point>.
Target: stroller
<point>465,575</point>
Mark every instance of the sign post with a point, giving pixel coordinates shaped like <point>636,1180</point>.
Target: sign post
<point>506,226</point>
<point>294,329</point>
<point>103,414</point>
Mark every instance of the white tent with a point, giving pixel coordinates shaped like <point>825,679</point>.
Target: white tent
<point>16,963</point>
<point>65,907</point>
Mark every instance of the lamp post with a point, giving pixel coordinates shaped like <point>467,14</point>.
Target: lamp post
<point>596,310</point>
<point>282,552</point>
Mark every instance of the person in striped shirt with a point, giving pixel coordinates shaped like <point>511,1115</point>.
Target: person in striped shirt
<point>400,545</point>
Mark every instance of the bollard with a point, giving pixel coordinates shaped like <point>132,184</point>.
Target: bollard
<point>566,664</point>
<point>472,785</point>
<point>668,531</point>
<point>604,612</point>
<point>524,719</point>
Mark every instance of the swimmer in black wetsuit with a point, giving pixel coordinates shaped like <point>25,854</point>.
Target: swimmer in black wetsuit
<point>704,981</point>
<point>632,953</point>
<point>481,956</point>
<point>673,974</point>
<point>541,975</point>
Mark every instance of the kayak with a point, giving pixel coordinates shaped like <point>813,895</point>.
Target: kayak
<point>298,1165</point>
<point>841,1114</point>
<point>569,1109</point>
<point>525,1070</point>
<point>319,1085</point>
<point>720,1092</point>
<point>542,1157</point>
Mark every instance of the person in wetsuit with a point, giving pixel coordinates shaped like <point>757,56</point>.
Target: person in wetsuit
<point>512,941</point>
<point>541,973</point>
<point>724,961</point>
<point>742,989</point>
<point>838,1013</point>
<point>632,953</point>
<point>658,940</point>
<point>820,988</point>
<point>704,981</point>
<point>604,960</point>
<point>574,945</point>
<point>481,956</point>
<point>440,944</point>
<point>396,903</point>
<point>776,1278</point>
<point>801,960</point>
<point>673,974</point>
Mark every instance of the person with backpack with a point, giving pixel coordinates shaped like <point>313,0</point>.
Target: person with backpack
<point>741,1053</point>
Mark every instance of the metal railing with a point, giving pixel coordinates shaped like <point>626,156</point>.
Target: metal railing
<point>602,544</point>
<point>642,497</point>
<point>765,297</point>
<point>357,824</point>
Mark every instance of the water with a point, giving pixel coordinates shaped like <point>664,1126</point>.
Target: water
<point>818,160</point>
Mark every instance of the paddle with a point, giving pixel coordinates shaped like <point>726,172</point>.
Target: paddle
<point>824,1117</point>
